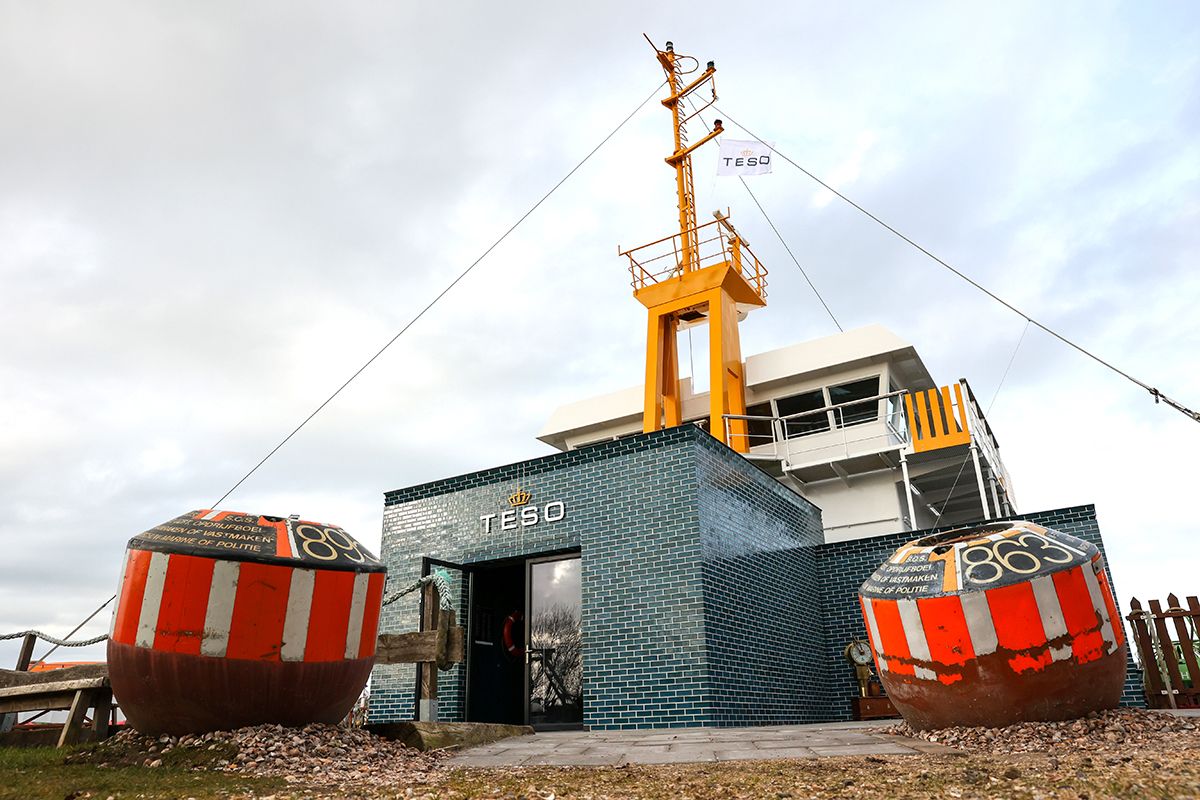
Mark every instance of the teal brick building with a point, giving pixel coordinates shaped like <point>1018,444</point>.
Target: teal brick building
<point>657,580</point>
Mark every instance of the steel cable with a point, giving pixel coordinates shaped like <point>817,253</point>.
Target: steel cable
<point>1155,393</point>
<point>438,297</point>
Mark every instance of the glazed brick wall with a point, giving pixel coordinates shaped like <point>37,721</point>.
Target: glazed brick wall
<point>845,565</point>
<point>709,597</point>
<point>762,608</point>
<point>669,525</point>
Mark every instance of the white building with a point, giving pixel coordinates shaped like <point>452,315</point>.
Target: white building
<point>853,422</point>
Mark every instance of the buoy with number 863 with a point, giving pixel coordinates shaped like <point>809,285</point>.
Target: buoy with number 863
<point>225,619</point>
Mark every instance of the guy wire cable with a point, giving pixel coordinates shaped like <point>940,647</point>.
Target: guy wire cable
<point>439,296</point>
<point>778,235</point>
<point>431,304</point>
<point>1155,393</point>
<point>986,414</point>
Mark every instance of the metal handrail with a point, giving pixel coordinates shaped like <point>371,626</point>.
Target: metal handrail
<point>779,431</point>
<point>747,263</point>
<point>823,409</point>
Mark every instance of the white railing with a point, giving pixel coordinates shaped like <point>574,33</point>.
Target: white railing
<point>833,433</point>
<point>989,446</point>
<point>830,433</point>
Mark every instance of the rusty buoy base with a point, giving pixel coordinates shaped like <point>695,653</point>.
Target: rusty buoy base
<point>995,624</point>
<point>1062,691</point>
<point>175,693</point>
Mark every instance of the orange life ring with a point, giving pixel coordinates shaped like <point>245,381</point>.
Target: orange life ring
<point>511,648</point>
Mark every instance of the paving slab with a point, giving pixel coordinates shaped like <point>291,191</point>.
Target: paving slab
<point>686,757</point>
<point>865,749</point>
<point>674,746</point>
<point>581,760</point>
<point>766,755</point>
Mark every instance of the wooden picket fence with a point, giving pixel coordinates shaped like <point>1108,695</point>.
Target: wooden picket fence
<point>1171,663</point>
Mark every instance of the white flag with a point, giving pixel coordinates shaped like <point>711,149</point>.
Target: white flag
<point>744,158</point>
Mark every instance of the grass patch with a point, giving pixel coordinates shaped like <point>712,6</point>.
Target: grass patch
<point>41,772</point>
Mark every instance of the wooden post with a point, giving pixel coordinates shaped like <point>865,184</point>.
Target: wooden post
<point>427,701</point>
<point>101,713</point>
<point>74,724</point>
<point>26,654</point>
<point>1150,666</point>
<point>1179,614</point>
<point>1168,652</point>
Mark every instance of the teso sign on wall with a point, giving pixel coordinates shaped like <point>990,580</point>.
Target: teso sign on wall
<point>523,513</point>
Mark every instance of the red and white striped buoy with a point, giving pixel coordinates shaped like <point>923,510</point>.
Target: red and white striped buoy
<point>995,624</point>
<point>225,619</point>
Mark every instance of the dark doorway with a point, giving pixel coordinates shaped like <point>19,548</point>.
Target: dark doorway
<point>512,604</point>
<point>496,657</point>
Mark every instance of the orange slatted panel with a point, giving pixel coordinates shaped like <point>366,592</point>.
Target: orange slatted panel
<point>948,410</point>
<point>946,630</point>
<point>370,626</point>
<point>1083,625</point>
<point>891,633</point>
<point>129,604</point>
<point>184,603</point>
<point>928,404</point>
<point>329,619</point>
<point>259,611</point>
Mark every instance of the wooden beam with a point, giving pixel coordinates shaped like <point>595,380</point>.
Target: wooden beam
<point>10,677</point>
<point>55,686</point>
<point>414,648</point>
<point>45,701</point>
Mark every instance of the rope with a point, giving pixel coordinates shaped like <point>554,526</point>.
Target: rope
<point>439,578</point>
<point>439,296</point>
<point>54,640</point>
<point>76,629</point>
<point>1155,393</point>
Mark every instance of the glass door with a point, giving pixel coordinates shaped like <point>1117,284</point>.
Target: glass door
<point>554,655</point>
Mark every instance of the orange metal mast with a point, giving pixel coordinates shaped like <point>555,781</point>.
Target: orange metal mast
<point>705,272</point>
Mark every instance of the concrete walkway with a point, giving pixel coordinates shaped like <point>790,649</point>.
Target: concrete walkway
<point>687,745</point>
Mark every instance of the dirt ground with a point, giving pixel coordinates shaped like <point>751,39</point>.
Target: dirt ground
<point>1123,754</point>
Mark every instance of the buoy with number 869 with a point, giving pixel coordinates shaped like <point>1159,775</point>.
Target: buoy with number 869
<point>995,624</point>
<point>226,619</point>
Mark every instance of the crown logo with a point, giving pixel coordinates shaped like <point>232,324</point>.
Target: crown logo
<point>519,498</point>
<point>747,152</point>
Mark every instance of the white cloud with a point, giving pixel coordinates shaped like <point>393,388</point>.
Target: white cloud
<point>211,215</point>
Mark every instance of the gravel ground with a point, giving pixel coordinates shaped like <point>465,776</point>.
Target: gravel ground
<point>1116,754</point>
<point>324,757</point>
<point>1118,732</point>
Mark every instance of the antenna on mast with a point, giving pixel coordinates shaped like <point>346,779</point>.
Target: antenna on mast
<point>703,273</point>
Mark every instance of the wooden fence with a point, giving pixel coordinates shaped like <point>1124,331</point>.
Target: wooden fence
<point>1171,663</point>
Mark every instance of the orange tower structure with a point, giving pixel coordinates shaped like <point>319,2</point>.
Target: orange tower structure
<point>703,273</point>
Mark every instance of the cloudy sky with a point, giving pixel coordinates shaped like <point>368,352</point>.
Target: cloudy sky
<point>211,214</point>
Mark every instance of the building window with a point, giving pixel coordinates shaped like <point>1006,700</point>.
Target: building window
<point>759,430</point>
<point>808,422</point>
<point>850,412</point>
